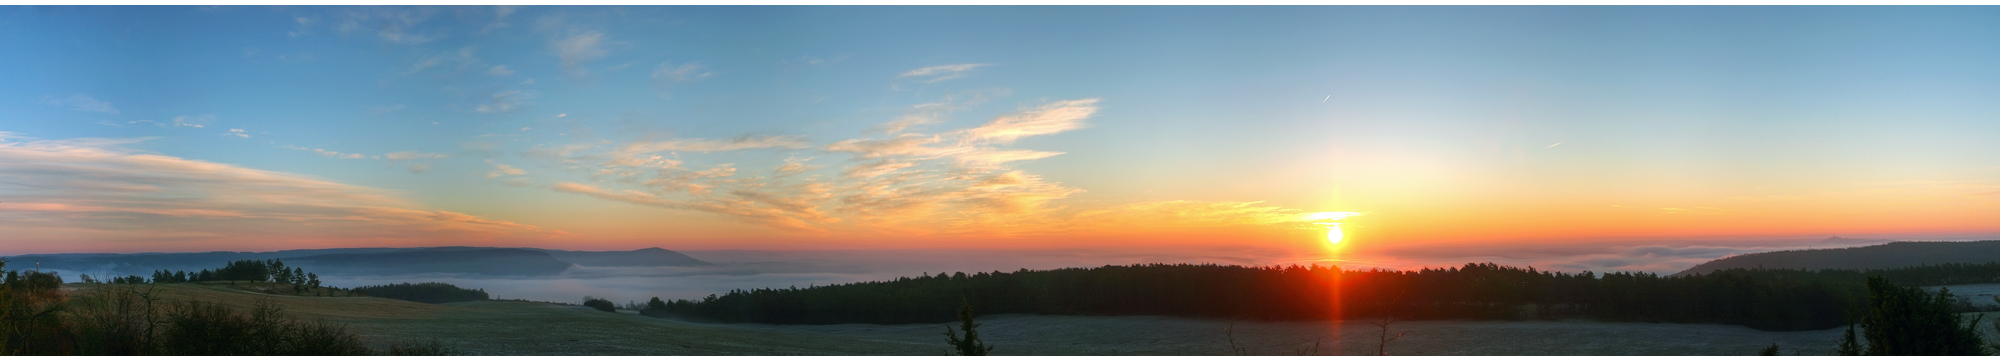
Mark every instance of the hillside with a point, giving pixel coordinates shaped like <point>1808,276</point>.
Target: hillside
<point>1892,255</point>
<point>532,328</point>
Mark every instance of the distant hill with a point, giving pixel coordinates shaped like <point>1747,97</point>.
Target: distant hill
<point>371,261</point>
<point>650,257</point>
<point>492,261</point>
<point>1891,255</point>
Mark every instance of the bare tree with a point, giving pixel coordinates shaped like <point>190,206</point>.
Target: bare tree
<point>1388,319</point>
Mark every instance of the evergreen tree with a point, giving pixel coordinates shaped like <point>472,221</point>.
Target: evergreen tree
<point>971,345</point>
<point>1907,321</point>
<point>1848,345</point>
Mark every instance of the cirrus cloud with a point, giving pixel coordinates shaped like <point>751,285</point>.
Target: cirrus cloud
<point>99,190</point>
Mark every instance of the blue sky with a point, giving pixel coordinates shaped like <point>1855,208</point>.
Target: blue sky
<point>917,127</point>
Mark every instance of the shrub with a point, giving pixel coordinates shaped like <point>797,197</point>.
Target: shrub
<point>600,304</point>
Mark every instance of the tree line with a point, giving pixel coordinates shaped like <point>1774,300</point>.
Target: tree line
<point>1765,299</point>
<point>272,270</point>
<point>427,292</point>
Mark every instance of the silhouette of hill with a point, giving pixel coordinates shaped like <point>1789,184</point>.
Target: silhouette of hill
<point>494,261</point>
<point>649,257</point>
<point>1882,256</point>
<point>372,261</point>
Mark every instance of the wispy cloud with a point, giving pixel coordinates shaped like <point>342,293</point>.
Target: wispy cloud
<point>81,102</point>
<point>506,101</point>
<point>194,121</point>
<point>715,145</point>
<point>98,190</point>
<point>666,75</point>
<point>577,49</point>
<point>499,70</point>
<point>238,133</point>
<point>1051,118</point>
<point>398,25</point>
<point>502,170</point>
<point>934,112</point>
<point>328,153</point>
<point>407,155</point>
<point>941,72</point>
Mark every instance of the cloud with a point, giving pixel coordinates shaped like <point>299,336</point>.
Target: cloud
<point>580,48</point>
<point>934,112</point>
<point>666,75</point>
<point>714,145</point>
<point>407,155</point>
<point>194,121</point>
<point>419,168</point>
<point>97,190</point>
<point>397,25</point>
<point>328,153</point>
<point>238,133</point>
<point>502,170</point>
<point>1051,118</point>
<point>82,102</point>
<point>941,72</point>
<point>499,70</point>
<point>506,101</point>
<point>740,208</point>
<point>873,169</point>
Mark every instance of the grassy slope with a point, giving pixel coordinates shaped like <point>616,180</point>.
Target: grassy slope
<point>529,328</point>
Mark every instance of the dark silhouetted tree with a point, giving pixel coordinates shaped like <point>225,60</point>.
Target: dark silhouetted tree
<point>600,304</point>
<point>970,345</point>
<point>1907,321</point>
<point>1849,346</point>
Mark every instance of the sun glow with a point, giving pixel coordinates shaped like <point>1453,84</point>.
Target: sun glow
<point>1333,233</point>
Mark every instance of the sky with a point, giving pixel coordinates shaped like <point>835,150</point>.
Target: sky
<point>1421,130</point>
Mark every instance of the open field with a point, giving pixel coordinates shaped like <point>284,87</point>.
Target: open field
<point>530,328</point>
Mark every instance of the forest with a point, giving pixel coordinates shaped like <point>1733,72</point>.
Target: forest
<point>1765,299</point>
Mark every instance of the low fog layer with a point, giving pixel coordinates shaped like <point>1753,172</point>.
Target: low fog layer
<point>729,270</point>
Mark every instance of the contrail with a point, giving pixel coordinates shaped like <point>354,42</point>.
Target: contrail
<point>1553,145</point>
<point>1327,97</point>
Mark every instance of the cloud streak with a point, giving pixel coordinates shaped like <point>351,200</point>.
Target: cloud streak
<point>941,72</point>
<point>82,102</point>
<point>98,190</point>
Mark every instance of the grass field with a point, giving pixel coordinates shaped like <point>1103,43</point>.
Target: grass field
<point>533,328</point>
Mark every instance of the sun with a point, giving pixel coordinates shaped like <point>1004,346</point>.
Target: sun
<point>1333,233</point>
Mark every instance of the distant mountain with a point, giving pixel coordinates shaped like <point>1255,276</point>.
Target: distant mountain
<point>491,261</point>
<point>1891,255</point>
<point>371,261</point>
<point>650,257</point>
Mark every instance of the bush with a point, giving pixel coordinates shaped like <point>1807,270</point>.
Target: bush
<point>600,304</point>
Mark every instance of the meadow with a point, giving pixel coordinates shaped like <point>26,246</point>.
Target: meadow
<point>541,328</point>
